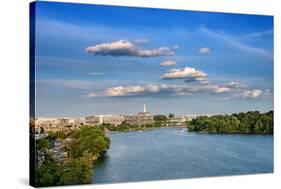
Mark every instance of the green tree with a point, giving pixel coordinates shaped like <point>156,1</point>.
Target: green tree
<point>249,122</point>
<point>90,139</point>
<point>171,115</point>
<point>259,127</point>
<point>49,173</point>
<point>86,145</point>
<point>57,135</point>
<point>77,171</point>
<point>42,144</point>
<point>160,118</point>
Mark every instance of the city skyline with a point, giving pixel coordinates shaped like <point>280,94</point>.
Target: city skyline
<point>91,63</point>
<point>145,110</point>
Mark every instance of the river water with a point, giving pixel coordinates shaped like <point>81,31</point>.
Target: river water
<point>171,153</point>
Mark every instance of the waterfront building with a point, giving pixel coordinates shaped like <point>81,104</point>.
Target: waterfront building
<point>142,118</point>
<point>179,120</point>
<point>190,117</point>
<point>107,119</point>
<point>176,121</point>
<point>113,119</point>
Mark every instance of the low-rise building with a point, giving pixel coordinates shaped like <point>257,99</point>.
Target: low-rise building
<point>107,119</point>
<point>142,118</point>
<point>190,117</point>
<point>92,120</point>
<point>176,121</point>
<point>57,124</point>
<point>112,119</point>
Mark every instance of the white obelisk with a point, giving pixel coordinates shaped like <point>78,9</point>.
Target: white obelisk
<point>144,108</point>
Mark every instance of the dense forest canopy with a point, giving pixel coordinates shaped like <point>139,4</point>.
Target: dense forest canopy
<point>250,122</point>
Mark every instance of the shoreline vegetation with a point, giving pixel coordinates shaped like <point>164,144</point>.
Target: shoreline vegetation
<point>69,158</point>
<point>124,127</point>
<point>149,128</point>
<point>252,122</point>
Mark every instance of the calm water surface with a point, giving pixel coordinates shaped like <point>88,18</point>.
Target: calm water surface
<point>172,153</point>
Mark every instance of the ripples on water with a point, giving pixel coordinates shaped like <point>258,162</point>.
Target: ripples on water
<point>172,153</point>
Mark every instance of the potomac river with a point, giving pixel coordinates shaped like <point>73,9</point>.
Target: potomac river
<point>173,153</point>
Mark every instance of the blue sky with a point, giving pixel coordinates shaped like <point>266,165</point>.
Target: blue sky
<point>105,60</point>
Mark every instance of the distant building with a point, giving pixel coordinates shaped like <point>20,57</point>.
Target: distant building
<point>112,119</point>
<point>142,118</point>
<point>43,125</point>
<point>92,120</point>
<point>176,121</point>
<point>57,124</point>
<point>48,124</point>
<point>101,119</point>
<point>193,116</point>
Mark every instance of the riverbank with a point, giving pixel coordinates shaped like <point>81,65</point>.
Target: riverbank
<point>150,128</point>
<point>235,133</point>
<point>252,122</point>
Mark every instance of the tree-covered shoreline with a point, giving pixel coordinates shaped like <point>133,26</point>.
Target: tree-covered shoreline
<point>251,122</point>
<point>160,121</point>
<point>72,162</point>
<point>125,127</point>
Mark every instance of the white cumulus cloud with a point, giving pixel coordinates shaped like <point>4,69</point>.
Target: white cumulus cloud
<point>188,74</point>
<point>126,48</point>
<point>125,91</point>
<point>168,63</point>
<point>251,93</point>
<point>219,89</point>
<point>159,89</point>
